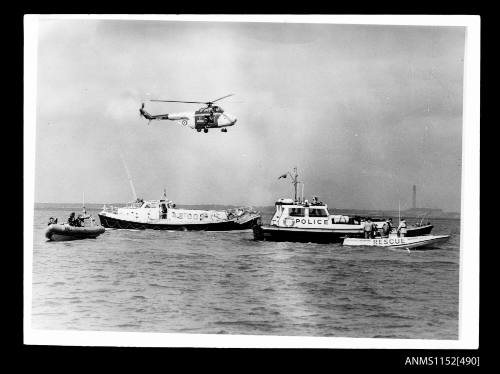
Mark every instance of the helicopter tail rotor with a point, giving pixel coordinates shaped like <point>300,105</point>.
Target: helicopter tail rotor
<point>141,111</point>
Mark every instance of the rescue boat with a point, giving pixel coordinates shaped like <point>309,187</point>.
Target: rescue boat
<point>163,215</point>
<point>393,241</point>
<point>65,232</point>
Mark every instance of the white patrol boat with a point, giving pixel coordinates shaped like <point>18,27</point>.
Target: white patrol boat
<point>163,215</point>
<point>394,241</point>
<point>300,221</point>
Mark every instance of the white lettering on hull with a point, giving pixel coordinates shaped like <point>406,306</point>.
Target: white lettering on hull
<point>390,241</point>
<point>311,221</point>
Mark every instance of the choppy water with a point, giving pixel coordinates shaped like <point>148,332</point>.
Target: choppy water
<point>224,282</point>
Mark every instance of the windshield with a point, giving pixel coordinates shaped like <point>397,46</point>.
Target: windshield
<point>315,212</point>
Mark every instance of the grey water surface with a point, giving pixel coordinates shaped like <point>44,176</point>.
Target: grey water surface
<point>227,283</point>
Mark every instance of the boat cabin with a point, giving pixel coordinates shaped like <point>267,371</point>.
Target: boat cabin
<point>297,214</point>
<point>165,210</point>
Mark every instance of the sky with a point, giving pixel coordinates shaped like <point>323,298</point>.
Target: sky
<point>363,111</point>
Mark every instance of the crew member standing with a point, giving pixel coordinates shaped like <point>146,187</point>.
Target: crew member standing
<point>387,228</point>
<point>368,228</point>
<point>402,228</point>
<point>374,230</point>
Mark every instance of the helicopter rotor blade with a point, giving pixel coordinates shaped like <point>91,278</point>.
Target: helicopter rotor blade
<point>220,98</point>
<point>209,103</point>
<point>176,101</point>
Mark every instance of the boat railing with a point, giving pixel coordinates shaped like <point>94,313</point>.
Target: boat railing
<point>241,211</point>
<point>114,209</point>
<point>110,209</point>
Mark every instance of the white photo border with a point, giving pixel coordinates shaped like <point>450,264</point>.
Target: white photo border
<point>469,240</point>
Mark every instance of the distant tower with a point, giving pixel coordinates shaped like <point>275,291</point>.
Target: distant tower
<point>414,197</point>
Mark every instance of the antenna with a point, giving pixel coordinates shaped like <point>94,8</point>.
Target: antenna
<point>83,203</point>
<point>129,177</point>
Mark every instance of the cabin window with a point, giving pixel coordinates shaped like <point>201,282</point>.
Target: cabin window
<point>297,212</point>
<point>315,212</point>
<point>195,216</point>
<point>180,215</point>
<point>189,216</point>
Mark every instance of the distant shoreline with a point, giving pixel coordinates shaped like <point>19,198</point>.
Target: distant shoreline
<point>269,209</point>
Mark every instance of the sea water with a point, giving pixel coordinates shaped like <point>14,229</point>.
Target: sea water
<point>227,283</point>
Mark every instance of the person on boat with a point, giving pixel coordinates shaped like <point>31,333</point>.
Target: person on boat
<point>72,219</point>
<point>80,221</point>
<point>402,228</point>
<point>387,227</point>
<point>368,228</point>
<point>52,221</point>
<point>374,230</point>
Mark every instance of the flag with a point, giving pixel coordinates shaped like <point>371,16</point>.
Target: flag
<point>282,176</point>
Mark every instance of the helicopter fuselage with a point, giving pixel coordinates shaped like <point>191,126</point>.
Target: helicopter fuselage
<point>209,117</point>
<point>199,120</point>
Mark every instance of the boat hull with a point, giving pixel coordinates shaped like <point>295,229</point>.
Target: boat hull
<point>56,232</point>
<point>327,235</point>
<point>273,233</point>
<point>398,242</point>
<point>418,230</point>
<point>116,223</point>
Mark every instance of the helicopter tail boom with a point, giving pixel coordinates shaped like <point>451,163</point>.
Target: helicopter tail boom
<point>145,114</point>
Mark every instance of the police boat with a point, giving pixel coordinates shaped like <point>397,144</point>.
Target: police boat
<point>164,215</point>
<point>297,220</point>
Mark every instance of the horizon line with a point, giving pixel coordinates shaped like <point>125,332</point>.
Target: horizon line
<point>272,205</point>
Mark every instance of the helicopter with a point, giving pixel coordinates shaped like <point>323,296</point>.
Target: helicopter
<point>208,117</point>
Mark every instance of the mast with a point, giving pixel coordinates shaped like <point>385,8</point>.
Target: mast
<point>295,181</point>
<point>129,177</point>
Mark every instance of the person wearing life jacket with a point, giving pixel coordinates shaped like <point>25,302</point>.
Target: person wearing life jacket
<point>79,221</point>
<point>387,228</point>
<point>402,228</point>
<point>368,228</point>
<point>71,219</point>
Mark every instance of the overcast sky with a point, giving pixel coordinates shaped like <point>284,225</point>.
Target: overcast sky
<point>363,111</point>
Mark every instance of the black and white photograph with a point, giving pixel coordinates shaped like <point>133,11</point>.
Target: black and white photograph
<point>292,181</point>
